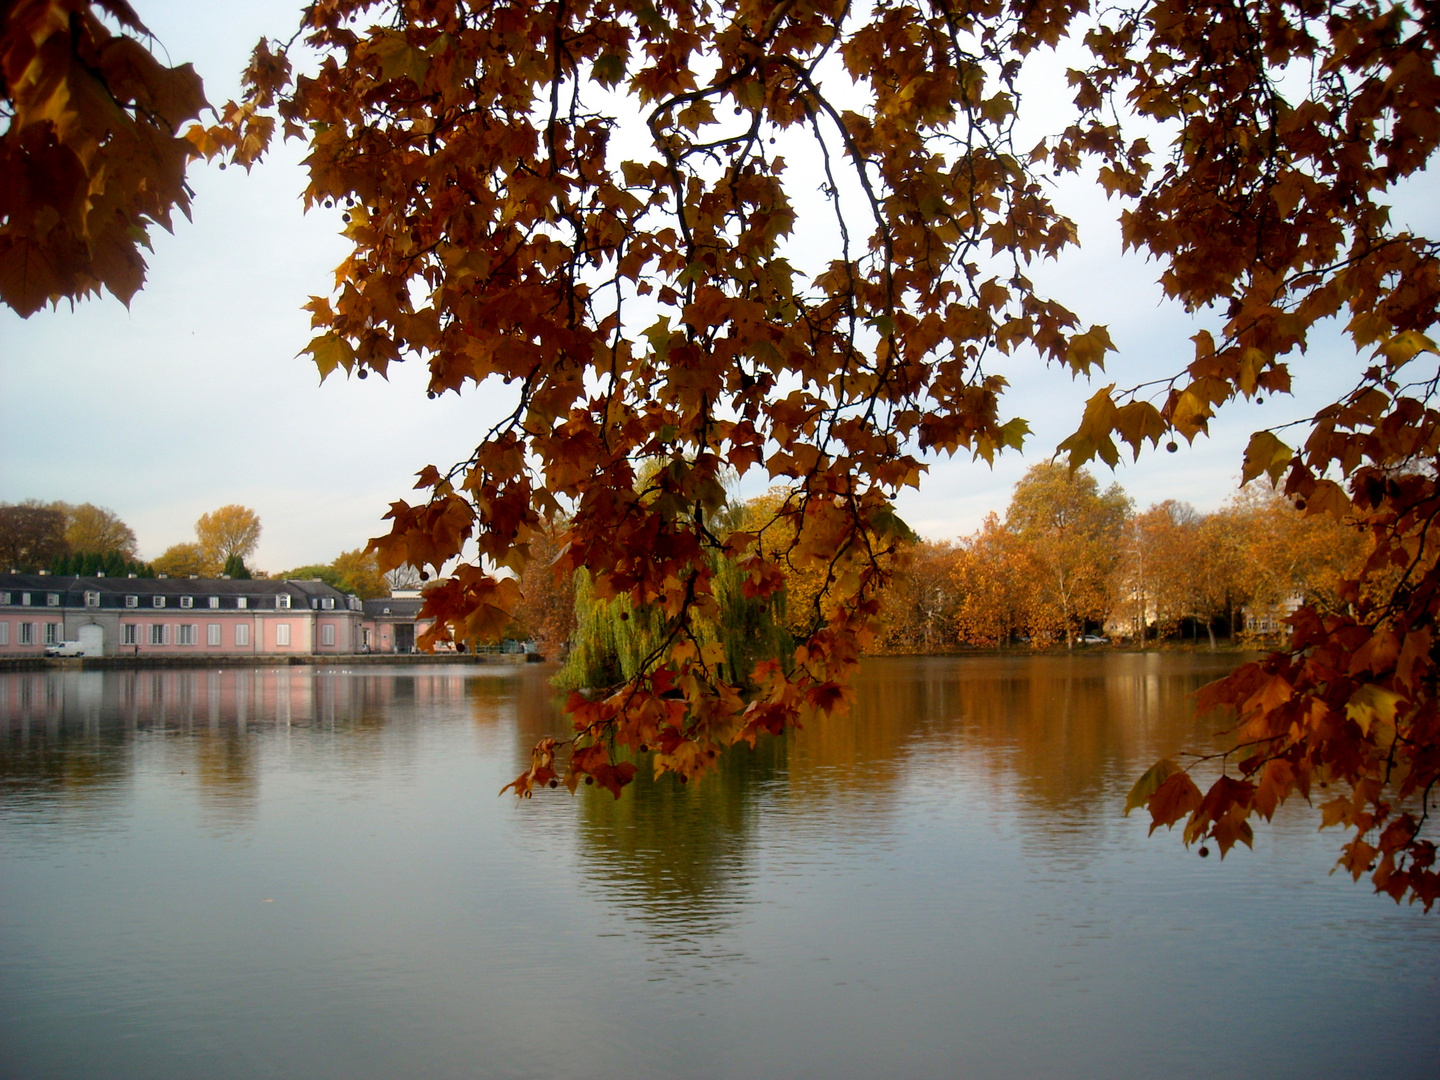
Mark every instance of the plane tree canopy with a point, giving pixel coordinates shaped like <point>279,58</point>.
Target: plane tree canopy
<point>798,237</point>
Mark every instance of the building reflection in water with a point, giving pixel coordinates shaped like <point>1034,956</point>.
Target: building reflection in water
<point>69,736</point>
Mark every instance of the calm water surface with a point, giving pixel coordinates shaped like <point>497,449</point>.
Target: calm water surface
<point>297,873</point>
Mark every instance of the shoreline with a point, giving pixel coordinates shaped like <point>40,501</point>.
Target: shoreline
<point>122,663</point>
<point>1227,646</point>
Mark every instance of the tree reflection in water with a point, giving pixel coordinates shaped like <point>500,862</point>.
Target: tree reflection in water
<point>1051,735</point>
<point>1055,740</point>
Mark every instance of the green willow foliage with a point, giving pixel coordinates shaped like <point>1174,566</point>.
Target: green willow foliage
<point>91,563</point>
<point>613,638</point>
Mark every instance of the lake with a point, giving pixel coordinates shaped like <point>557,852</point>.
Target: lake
<point>307,873</point>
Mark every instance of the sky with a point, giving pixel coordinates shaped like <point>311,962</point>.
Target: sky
<point>194,397</point>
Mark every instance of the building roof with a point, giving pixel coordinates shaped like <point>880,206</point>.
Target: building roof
<point>393,607</point>
<point>259,593</point>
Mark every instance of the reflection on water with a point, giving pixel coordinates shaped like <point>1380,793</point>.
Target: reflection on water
<point>1054,740</point>
<point>70,737</point>
<point>307,872</point>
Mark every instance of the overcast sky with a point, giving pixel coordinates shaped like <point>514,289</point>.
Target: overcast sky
<point>194,397</point>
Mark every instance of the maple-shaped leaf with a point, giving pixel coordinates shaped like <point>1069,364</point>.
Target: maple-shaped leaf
<point>1175,797</point>
<point>1265,455</point>
<point>1149,783</point>
<point>831,698</point>
<point>1372,704</point>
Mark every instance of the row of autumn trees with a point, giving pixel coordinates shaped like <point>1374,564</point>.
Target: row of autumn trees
<point>61,538</point>
<point>53,536</point>
<point>1066,558</point>
<point>84,539</point>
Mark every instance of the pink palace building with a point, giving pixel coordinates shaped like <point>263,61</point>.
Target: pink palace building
<point>182,617</point>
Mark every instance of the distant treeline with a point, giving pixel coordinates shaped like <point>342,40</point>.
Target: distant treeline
<point>87,540</point>
<point>64,538</point>
<point>1066,560</point>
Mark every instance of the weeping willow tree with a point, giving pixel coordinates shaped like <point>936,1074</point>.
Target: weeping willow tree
<point>612,638</point>
<point>615,640</point>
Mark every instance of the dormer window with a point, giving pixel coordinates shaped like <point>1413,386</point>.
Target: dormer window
<point>132,601</point>
<point>92,599</point>
<point>158,601</point>
<point>282,603</point>
<point>4,598</point>
<point>25,599</point>
<point>52,599</point>
<point>214,603</point>
<point>242,602</point>
<point>187,601</point>
<point>328,603</point>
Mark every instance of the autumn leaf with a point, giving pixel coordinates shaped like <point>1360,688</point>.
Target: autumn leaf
<point>1371,704</point>
<point>90,151</point>
<point>1175,797</point>
<point>1266,455</point>
<point>1149,783</point>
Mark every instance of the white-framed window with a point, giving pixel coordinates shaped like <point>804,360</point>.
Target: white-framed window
<point>186,634</point>
<point>282,603</point>
<point>242,602</point>
<point>327,634</point>
<point>214,601</point>
<point>132,601</point>
<point>27,633</point>
<point>212,634</point>
<point>129,633</point>
<point>242,633</point>
<point>25,599</point>
<point>92,599</point>
<point>158,601</point>
<point>365,638</point>
<point>328,603</point>
<point>159,634</point>
<point>52,599</point>
<point>4,633</point>
<point>52,633</point>
<point>187,601</point>
<point>4,598</point>
<point>282,633</point>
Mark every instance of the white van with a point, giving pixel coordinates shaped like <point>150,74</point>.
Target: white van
<point>91,643</point>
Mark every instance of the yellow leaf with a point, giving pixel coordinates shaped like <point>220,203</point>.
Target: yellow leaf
<point>399,58</point>
<point>330,351</point>
<point>1265,454</point>
<point>1403,347</point>
<point>1088,350</point>
<point>1190,414</point>
<point>1138,421</point>
<point>1335,812</point>
<point>1371,703</point>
